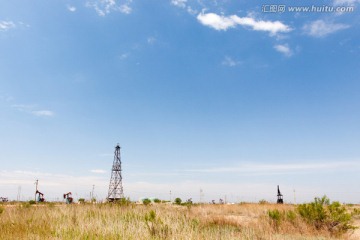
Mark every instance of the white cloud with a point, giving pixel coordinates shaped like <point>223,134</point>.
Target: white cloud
<point>98,171</point>
<point>179,3</point>
<point>71,8</point>
<point>223,23</point>
<point>43,113</point>
<point>320,28</point>
<point>104,7</point>
<point>284,49</point>
<point>215,21</point>
<point>6,25</point>
<point>228,61</point>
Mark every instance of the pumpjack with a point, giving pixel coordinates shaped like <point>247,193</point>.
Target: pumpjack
<point>68,197</point>
<point>279,196</point>
<point>40,196</point>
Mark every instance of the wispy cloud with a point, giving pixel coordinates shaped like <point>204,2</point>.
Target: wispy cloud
<point>23,107</point>
<point>71,8</point>
<point>321,28</point>
<point>44,113</point>
<point>31,109</point>
<point>6,25</point>
<point>219,22</point>
<point>124,56</point>
<point>179,3</point>
<point>280,168</point>
<point>284,49</point>
<point>228,61</point>
<point>151,40</point>
<point>125,8</point>
<point>104,7</point>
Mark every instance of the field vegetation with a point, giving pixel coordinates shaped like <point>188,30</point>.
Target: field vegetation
<point>317,220</point>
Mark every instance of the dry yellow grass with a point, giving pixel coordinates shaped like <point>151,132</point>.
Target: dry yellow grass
<point>159,221</point>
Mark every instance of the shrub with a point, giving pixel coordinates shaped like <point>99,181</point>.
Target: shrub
<point>263,201</point>
<point>323,215</point>
<point>81,200</point>
<point>290,216</point>
<point>156,200</point>
<point>155,226</point>
<point>275,217</point>
<point>123,202</point>
<point>32,202</point>
<point>178,201</point>
<point>355,213</point>
<point>2,209</point>
<point>146,201</point>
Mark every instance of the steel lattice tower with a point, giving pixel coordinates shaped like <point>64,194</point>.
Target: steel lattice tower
<point>115,186</point>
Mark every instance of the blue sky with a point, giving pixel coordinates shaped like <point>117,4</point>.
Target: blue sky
<point>200,94</point>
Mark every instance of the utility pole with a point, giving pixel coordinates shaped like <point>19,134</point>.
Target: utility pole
<point>170,195</point>
<point>294,197</point>
<point>19,194</point>
<point>201,195</point>
<point>92,193</point>
<point>36,183</point>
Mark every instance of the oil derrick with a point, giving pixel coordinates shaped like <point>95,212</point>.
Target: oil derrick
<point>115,187</point>
<point>279,197</point>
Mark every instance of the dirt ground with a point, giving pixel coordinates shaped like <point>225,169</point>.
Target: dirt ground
<point>356,234</point>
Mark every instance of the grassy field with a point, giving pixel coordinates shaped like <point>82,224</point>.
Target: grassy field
<point>157,221</point>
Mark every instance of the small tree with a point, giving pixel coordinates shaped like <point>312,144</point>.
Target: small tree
<point>156,200</point>
<point>178,201</point>
<point>146,201</point>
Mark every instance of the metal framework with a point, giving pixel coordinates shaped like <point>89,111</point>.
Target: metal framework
<point>115,187</point>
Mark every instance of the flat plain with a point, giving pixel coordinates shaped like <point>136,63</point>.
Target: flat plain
<point>159,221</point>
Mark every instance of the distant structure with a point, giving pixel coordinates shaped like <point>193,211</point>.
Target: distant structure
<point>68,198</point>
<point>279,197</point>
<point>39,196</point>
<point>115,187</point>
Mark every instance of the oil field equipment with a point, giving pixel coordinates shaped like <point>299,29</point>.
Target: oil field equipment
<point>68,198</point>
<point>40,196</point>
<point>279,196</point>
<point>4,199</point>
<point>115,187</point>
